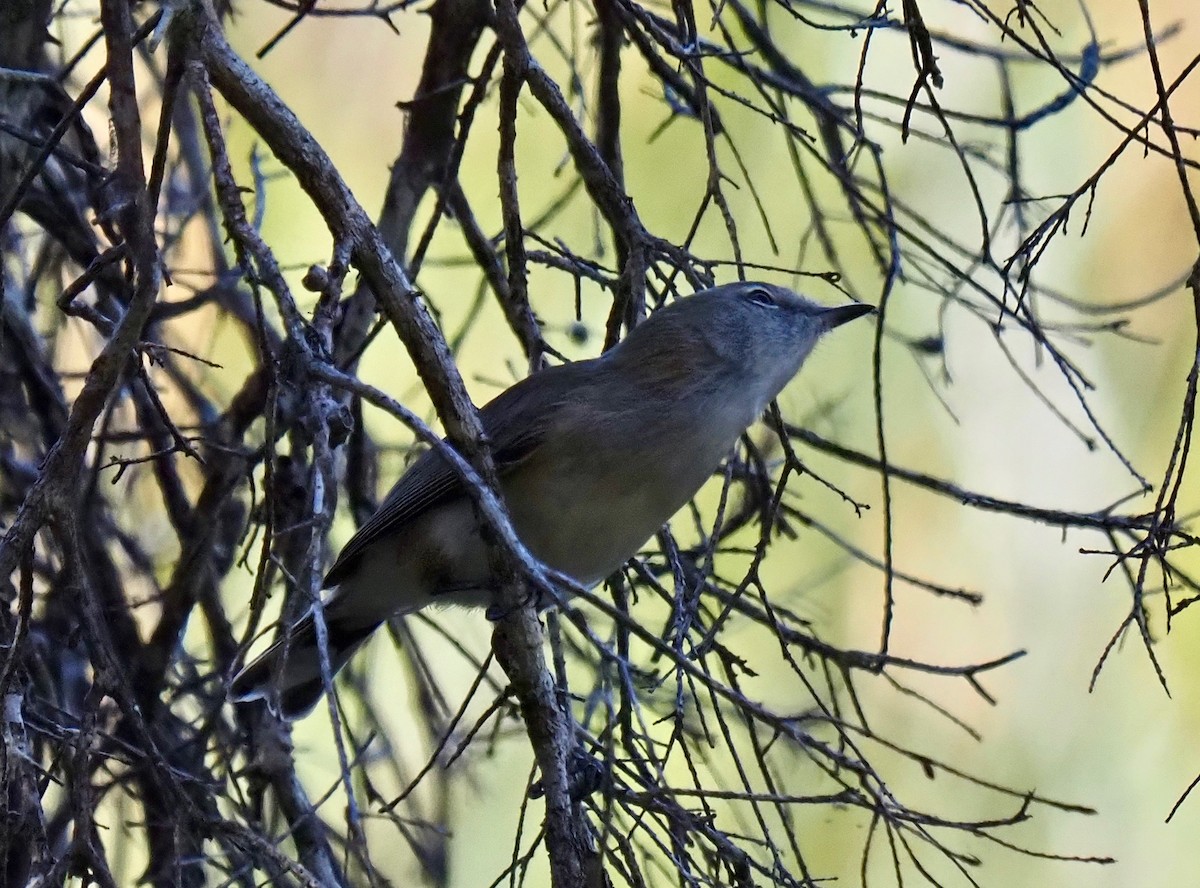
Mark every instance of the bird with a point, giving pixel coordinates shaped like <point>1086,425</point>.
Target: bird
<point>593,458</point>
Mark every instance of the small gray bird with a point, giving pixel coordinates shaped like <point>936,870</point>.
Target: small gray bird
<point>593,458</point>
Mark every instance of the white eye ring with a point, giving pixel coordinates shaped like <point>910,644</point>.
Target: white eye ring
<point>761,296</point>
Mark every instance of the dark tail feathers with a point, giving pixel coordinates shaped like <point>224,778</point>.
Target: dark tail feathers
<point>298,678</point>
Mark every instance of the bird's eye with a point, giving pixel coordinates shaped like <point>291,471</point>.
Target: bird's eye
<point>761,296</point>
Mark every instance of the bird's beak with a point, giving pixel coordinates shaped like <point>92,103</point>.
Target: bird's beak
<point>840,314</point>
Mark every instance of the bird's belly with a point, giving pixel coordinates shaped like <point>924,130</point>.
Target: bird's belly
<point>584,541</point>
<point>588,522</point>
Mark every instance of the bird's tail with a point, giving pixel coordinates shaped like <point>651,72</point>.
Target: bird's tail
<point>293,664</point>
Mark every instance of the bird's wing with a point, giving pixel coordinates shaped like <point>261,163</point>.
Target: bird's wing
<point>515,423</point>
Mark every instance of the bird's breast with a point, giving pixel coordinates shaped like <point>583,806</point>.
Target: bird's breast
<point>584,504</point>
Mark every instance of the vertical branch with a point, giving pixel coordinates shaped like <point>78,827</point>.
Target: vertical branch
<point>510,207</point>
<point>517,638</point>
<point>424,158</point>
<point>630,305</point>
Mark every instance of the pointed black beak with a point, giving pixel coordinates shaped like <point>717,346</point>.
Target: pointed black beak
<point>840,314</point>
